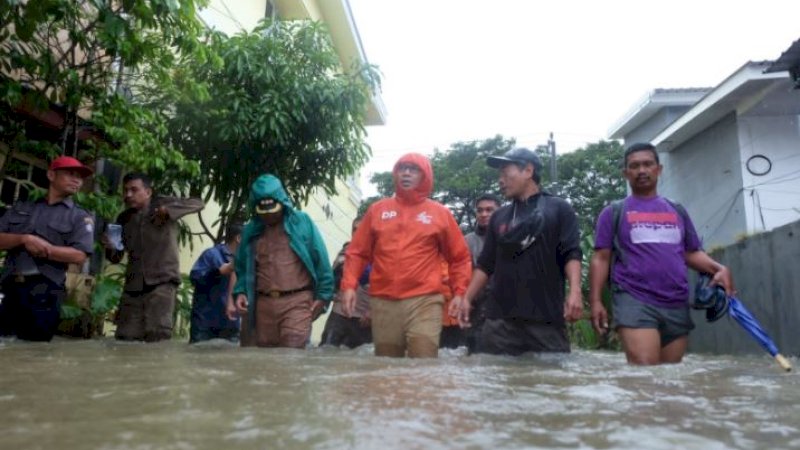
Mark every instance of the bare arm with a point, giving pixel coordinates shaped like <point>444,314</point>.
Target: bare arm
<point>476,285</point>
<point>11,240</point>
<point>598,274</point>
<point>230,305</point>
<point>573,308</point>
<point>701,262</point>
<point>460,308</point>
<point>573,272</point>
<point>66,254</point>
<point>40,248</point>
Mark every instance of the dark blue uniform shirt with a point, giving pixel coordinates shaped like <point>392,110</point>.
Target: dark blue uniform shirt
<point>62,224</point>
<point>211,289</point>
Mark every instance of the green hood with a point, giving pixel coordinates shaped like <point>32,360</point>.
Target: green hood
<point>268,186</point>
<point>304,239</point>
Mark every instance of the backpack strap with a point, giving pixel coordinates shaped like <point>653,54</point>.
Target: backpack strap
<point>684,215</point>
<point>616,217</point>
<point>679,209</point>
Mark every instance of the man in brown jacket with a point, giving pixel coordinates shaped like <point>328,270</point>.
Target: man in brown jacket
<point>150,236</point>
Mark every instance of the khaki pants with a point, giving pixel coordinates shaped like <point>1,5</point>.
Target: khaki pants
<point>409,326</point>
<point>280,322</point>
<point>147,315</point>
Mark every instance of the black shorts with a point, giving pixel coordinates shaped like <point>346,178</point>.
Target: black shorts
<point>515,337</point>
<point>671,323</point>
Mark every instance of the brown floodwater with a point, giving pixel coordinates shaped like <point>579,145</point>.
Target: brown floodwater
<point>102,394</point>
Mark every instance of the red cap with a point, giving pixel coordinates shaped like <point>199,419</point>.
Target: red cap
<point>68,162</point>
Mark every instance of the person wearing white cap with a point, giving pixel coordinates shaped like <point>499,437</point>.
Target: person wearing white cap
<point>41,238</point>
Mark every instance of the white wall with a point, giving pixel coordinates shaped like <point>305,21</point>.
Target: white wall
<point>776,195</point>
<point>704,175</point>
<point>232,16</point>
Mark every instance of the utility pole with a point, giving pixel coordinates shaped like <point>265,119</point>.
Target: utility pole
<point>551,145</point>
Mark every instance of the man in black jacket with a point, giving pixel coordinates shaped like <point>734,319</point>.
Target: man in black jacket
<point>532,245</point>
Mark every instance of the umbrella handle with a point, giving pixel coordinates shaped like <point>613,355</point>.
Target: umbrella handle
<point>783,362</point>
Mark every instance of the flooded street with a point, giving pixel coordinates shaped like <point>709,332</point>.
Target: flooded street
<point>101,394</point>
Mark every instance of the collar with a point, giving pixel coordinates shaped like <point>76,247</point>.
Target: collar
<point>68,202</point>
<point>530,200</point>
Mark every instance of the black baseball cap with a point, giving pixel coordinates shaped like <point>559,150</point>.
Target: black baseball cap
<point>519,155</point>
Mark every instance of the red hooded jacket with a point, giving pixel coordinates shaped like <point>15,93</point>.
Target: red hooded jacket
<point>406,237</point>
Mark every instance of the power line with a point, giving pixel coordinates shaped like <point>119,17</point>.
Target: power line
<point>527,137</point>
<point>227,14</point>
<point>780,179</point>
<point>724,217</point>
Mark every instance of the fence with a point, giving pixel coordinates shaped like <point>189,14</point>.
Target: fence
<point>766,270</point>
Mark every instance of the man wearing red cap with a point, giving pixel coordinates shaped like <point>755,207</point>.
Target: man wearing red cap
<point>41,238</point>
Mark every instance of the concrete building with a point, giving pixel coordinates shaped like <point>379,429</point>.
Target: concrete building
<point>731,153</point>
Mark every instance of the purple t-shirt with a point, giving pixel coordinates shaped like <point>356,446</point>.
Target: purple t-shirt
<point>653,237</point>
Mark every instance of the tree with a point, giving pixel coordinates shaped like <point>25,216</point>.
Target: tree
<point>87,61</point>
<point>280,103</point>
<point>460,176</point>
<point>590,178</point>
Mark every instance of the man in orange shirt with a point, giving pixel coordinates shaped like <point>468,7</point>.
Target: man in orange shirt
<point>406,237</point>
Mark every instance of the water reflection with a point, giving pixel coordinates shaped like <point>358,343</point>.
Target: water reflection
<point>104,394</point>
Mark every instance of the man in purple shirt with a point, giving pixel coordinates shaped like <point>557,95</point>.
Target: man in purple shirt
<point>649,284</point>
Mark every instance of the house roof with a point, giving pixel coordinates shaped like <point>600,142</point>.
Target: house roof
<point>652,103</point>
<point>338,17</point>
<point>744,92</point>
<point>790,59</point>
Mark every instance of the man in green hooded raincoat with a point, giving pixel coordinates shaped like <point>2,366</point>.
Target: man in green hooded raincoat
<point>284,278</point>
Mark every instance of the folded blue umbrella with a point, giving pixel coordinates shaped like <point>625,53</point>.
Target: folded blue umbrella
<point>713,299</point>
<point>746,319</point>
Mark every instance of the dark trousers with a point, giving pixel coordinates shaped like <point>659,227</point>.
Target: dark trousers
<point>146,315</point>
<point>452,337</point>
<point>340,330</point>
<point>199,332</point>
<point>515,337</point>
<point>31,307</point>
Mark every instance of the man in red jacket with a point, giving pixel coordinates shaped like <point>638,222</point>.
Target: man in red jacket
<point>406,238</point>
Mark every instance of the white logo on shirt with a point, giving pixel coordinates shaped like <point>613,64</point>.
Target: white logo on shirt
<point>424,218</point>
<point>388,215</point>
<point>528,241</point>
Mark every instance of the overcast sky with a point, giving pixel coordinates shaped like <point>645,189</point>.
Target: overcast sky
<point>460,70</point>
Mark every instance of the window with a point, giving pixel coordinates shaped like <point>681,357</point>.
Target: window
<point>21,174</point>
